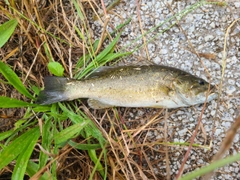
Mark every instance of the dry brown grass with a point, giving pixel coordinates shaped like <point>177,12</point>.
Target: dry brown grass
<point>45,32</point>
<point>129,146</point>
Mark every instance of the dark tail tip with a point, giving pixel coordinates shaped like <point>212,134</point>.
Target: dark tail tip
<point>54,90</point>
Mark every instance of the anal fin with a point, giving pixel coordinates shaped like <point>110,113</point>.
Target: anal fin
<point>95,104</point>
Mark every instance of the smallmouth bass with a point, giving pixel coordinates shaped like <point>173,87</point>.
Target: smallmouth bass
<point>130,86</point>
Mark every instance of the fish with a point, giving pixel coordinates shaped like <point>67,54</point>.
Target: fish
<point>151,86</point>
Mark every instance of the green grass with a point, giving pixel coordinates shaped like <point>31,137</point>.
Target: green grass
<point>44,125</point>
<point>211,167</point>
<point>7,30</point>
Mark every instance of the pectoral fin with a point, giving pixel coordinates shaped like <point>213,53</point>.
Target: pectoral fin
<point>95,104</point>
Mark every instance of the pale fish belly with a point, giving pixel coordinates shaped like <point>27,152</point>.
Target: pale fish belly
<point>160,103</point>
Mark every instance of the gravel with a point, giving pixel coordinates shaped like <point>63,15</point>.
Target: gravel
<point>205,28</point>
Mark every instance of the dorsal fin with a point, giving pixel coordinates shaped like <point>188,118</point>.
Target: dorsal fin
<point>100,71</point>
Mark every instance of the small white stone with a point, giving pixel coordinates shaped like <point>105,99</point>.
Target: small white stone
<point>163,51</point>
<point>198,16</point>
<point>131,115</point>
<point>140,112</point>
<point>218,132</point>
<point>193,157</point>
<point>237,4</point>
<point>166,11</point>
<point>213,112</point>
<point>150,133</point>
<point>231,81</point>
<point>191,29</point>
<point>144,7</point>
<point>157,5</point>
<point>208,37</point>
<point>182,132</point>
<point>148,4</point>
<point>180,112</point>
<point>157,60</point>
<point>238,82</point>
<point>176,140</point>
<point>230,89</point>
<point>212,25</point>
<point>181,141</point>
<point>151,47</point>
<point>236,170</point>
<point>226,124</point>
<point>237,138</point>
<point>189,18</point>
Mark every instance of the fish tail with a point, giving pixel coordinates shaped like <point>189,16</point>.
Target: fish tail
<point>54,90</point>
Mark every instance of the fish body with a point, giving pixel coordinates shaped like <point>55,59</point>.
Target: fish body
<point>130,86</point>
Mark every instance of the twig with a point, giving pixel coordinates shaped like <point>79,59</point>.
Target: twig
<point>103,33</point>
<point>34,60</point>
<point>166,147</point>
<point>38,174</point>
<point>191,143</point>
<point>104,7</point>
<point>142,31</point>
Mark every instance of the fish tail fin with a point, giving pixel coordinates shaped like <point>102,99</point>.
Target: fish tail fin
<point>54,90</point>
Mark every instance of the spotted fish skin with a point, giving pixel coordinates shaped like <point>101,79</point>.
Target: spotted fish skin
<point>131,86</point>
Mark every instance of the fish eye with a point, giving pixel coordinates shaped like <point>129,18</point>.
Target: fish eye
<point>201,82</point>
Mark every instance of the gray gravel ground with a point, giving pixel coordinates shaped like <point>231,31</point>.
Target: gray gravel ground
<point>203,29</point>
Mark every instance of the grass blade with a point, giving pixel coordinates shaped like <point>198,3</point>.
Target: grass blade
<point>23,158</point>
<point>100,60</point>
<point>84,146</point>
<point>211,167</point>
<point>70,132</point>
<point>109,57</point>
<point>90,131</point>
<point>6,134</point>
<point>72,116</point>
<point>6,31</point>
<point>108,49</point>
<point>98,166</point>
<point>47,137</point>
<point>7,102</point>
<point>9,153</point>
<point>32,169</point>
<point>14,80</point>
